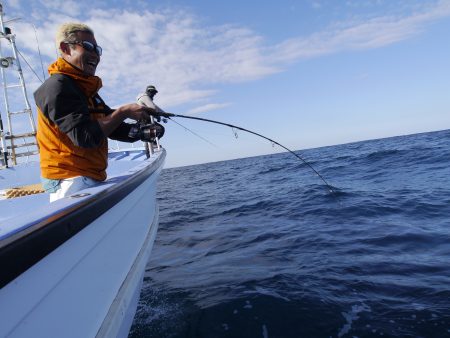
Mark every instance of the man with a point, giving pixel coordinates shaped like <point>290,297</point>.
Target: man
<point>73,121</point>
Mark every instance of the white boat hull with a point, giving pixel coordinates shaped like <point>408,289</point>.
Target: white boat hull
<point>89,285</point>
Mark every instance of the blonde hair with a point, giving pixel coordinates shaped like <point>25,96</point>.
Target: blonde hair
<point>67,33</point>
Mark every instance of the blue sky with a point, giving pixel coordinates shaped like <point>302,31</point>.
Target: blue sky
<point>306,73</point>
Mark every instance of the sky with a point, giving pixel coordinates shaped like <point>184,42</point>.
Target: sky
<point>307,73</point>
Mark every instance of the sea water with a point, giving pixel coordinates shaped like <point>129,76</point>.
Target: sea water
<point>258,247</point>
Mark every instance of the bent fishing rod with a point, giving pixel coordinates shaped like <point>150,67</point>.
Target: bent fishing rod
<point>146,99</point>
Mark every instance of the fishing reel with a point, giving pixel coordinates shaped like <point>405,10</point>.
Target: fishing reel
<point>146,132</point>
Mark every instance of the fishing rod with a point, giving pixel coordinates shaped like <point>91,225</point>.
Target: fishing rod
<point>170,115</point>
<point>146,99</point>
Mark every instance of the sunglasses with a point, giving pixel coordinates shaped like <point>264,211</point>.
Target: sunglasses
<point>89,46</point>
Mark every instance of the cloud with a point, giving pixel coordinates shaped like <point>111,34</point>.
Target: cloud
<point>14,3</point>
<point>68,6</point>
<point>207,107</point>
<point>316,4</point>
<point>174,53</point>
<point>174,50</point>
<point>359,35</point>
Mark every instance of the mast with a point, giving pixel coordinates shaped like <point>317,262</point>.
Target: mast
<point>8,138</point>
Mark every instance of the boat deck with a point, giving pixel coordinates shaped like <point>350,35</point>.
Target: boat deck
<point>14,211</point>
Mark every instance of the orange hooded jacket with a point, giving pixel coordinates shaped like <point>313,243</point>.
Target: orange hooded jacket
<point>59,100</point>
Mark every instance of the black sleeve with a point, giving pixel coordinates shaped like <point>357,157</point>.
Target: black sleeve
<point>121,133</point>
<point>62,102</point>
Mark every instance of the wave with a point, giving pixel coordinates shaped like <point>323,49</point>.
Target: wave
<point>259,247</point>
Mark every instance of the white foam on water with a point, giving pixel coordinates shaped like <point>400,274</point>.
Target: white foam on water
<point>271,293</point>
<point>150,313</point>
<point>265,333</point>
<point>418,307</point>
<point>352,316</point>
<point>166,313</point>
<point>248,305</point>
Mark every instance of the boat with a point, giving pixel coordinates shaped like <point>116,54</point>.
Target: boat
<point>74,267</point>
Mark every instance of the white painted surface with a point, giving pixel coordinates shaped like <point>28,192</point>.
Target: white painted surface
<point>118,321</point>
<point>70,292</point>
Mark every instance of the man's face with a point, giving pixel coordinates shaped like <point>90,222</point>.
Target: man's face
<point>81,58</point>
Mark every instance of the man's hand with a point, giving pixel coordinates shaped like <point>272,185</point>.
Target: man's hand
<point>132,111</point>
<point>136,112</point>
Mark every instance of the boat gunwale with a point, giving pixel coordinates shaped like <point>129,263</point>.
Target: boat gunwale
<point>23,249</point>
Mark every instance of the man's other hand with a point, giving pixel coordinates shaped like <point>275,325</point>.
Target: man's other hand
<point>132,111</point>
<point>136,112</point>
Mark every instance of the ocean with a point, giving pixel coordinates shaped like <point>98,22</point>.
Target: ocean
<point>258,247</point>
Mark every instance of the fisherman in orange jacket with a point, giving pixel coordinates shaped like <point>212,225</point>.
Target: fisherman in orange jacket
<point>73,121</point>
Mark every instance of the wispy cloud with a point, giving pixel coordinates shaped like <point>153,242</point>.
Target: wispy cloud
<point>359,35</point>
<point>173,50</point>
<point>208,107</point>
<point>316,4</point>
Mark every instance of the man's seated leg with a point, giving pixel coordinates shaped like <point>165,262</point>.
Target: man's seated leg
<point>70,186</point>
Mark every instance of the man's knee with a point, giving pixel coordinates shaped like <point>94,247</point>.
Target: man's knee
<point>70,186</point>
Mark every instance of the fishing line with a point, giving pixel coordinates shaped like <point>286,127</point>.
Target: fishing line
<point>146,99</point>
<point>39,49</point>
<point>170,115</point>
<point>192,132</point>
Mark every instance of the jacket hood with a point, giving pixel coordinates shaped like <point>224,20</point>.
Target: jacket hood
<point>89,84</point>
